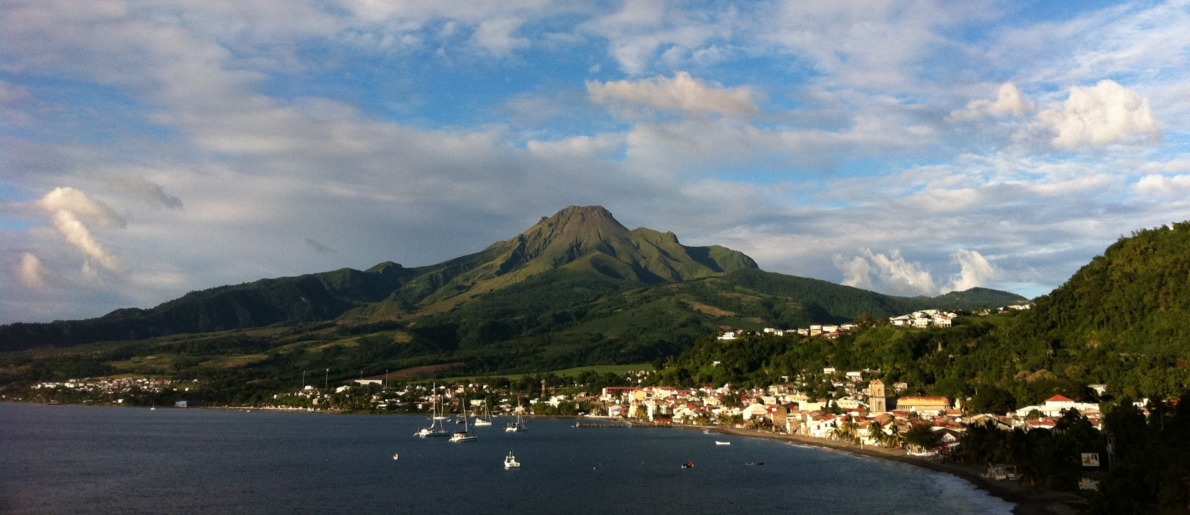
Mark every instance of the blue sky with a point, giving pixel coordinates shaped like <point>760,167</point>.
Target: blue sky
<point>148,149</point>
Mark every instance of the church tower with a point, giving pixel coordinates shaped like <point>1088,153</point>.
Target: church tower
<point>877,403</point>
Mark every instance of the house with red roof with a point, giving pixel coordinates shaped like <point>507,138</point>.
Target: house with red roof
<point>1054,406</point>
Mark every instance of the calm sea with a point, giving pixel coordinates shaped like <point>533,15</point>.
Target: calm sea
<point>78,459</point>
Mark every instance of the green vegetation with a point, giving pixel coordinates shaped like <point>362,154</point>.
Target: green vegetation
<point>1123,320</point>
<point>583,296</point>
<point>576,289</point>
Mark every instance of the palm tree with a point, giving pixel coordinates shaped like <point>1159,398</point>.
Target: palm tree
<point>876,433</point>
<point>849,432</point>
<point>895,437</point>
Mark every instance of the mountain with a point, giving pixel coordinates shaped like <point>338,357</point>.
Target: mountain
<point>587,240</point>
<point>305,298</point>
<point>576,288</point>
<point>1122,319</point>
<point>580,239</point>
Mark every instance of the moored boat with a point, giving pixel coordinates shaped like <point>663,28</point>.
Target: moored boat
<point>436,430</point>
<point>510,461</point>
<point>463,436</point>
<point>517,426</point>
<point>486,419</point>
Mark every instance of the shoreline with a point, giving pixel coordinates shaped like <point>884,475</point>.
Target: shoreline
<point>1026,499</point>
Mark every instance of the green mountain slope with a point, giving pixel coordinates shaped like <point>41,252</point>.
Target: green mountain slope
<point>1124,318</point>
<point>1120,321</point>
<point>576,288</point>
<point>287,300</point>
<point>581,239</point>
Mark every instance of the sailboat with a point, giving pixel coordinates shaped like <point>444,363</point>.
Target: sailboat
<point>519,425</point>
<point>462,436</point>
<point>436,417</point>
<point>486,419</point>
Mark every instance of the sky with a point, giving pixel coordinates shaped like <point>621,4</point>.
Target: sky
<point>909,147</point>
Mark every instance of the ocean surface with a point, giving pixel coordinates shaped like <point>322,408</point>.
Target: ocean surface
<point>81,459</point>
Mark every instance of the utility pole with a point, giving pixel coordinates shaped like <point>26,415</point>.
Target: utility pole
<point>326,379</point>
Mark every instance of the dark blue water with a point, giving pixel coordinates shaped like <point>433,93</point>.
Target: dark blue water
<point>76,459</point>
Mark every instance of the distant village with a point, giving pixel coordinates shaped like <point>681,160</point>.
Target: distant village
<point>869,413</point>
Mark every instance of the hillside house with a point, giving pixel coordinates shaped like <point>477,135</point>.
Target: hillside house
<point>1054,406</point>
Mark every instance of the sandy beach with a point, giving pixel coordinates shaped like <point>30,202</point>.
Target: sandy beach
<point>1028,500</point>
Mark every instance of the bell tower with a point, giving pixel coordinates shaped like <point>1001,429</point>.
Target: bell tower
<point>877,402</point>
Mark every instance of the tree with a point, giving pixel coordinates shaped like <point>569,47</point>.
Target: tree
<point>923,437</point>
<point>876,433</point>
<point>993,399</point>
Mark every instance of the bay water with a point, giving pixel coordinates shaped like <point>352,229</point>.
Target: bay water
<point>83,459</point>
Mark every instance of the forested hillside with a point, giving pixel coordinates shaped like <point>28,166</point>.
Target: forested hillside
<point>1122,320</point>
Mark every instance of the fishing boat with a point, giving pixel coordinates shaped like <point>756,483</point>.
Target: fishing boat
<point>510,462</point>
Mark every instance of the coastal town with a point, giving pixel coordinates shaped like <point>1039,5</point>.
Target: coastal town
<point>859,412</point>
<point>862,411</point>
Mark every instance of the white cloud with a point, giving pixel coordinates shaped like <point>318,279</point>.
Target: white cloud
<point>889,273</point>
<point>69,208</point>
<point>857,271</point>
<point>497,36</point>
<point>80,205</point>
<point>30,272</point>
<point>866,44</point>
<point>1009,102</point>
<point>681,93</point>
<point>975,270</point>
<point>643,28</point>
<point>1101,115</point>
<point>1163,186</point>
<point>578,147</point>
<point>893,274</point>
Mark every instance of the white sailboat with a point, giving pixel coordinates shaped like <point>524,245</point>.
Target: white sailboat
<point>436,430</point>
<point>519,425</point>
<point>510,462</point>
<point>462,436</point>
<point>486,419</point>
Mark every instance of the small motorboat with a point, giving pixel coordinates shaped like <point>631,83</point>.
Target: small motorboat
<point>755,463</point>
<point>688,465</point>
<point>718,442</point>
<point>396,456</point>
<point>510,462</point>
